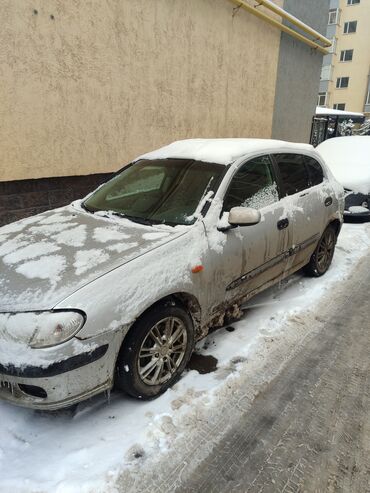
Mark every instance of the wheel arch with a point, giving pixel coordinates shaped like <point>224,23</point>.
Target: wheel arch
<point>181,298</point>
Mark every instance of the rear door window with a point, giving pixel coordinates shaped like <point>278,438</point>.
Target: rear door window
<point>293,172</point>
<point>315,171</point>
<point>253,185</point>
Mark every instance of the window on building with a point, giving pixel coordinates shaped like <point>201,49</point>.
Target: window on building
<point>350,27</point>
<point>346,55</point>
<point>339,106</point>
<point>322,98</point>
<point>333,16</point>
<point>342,82</point>
<point>353,2</point>
<point>326,72</point>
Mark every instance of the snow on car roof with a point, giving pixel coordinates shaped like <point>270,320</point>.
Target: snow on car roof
<point>221,151</point>
<point>349,160</point>
<point>330,111</point>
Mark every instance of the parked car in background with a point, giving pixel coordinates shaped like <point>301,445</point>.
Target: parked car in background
<point>116,288</point>
<point>349,161</point>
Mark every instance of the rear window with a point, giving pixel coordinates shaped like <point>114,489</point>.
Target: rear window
<point>314,170</point>
<point>293,172</point>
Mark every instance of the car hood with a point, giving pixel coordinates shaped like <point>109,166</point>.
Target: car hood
<point>45,258</point>
<point>348,160</point>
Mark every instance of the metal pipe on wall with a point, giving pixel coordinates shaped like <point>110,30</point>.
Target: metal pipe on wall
<point>273,22</point>
<point>293,20</point>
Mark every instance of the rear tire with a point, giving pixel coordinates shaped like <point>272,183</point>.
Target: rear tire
<point>155,352</point>
<point>322,257</point>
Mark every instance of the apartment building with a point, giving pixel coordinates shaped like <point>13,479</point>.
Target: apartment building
<point>345,74</point>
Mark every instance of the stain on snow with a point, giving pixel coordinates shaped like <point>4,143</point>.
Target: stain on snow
<point>88,259</point>
<point>75,237</point>
<point>30,251</point>
<point>103,235</point>
<point>56,218</point>
<point>202,364</point>
<point>154,236</point>
<point>47,267</point>
<point>121,247</point>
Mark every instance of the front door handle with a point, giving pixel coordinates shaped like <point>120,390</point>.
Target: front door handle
<point>328,201</point>
<point>283,223</point>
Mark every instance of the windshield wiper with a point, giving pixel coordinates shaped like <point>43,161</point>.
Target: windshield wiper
<point>134,219</point>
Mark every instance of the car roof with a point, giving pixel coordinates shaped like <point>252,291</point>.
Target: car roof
<point>221,151</point>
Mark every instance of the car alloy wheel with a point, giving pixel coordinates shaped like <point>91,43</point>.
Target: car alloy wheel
<point>162,351</point>
<point>325,250</point>
<point>155,351</point>
<point>323,255</point>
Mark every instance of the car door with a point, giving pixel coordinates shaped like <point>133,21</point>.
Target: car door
<point>263,246</point>
<point>302,184</point>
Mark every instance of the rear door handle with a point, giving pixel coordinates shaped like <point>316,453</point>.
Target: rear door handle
<point>328,201</point>
<point>283,223</point>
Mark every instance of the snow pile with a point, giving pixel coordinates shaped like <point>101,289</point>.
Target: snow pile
<point>330,111</point>
<point>349,161</point>
<point>221,151</point>
<point>125,440</point>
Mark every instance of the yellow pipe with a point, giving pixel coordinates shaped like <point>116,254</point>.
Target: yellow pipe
<point>293,20</point>
<point>280,25</point>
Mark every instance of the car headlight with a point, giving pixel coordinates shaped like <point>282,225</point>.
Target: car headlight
<point>41,329</point>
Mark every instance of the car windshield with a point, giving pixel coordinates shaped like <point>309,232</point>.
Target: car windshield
<point>157,191</point>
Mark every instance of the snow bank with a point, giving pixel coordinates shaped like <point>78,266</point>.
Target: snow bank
<point>349,161</point>
<point>330,111</point>
<point>123,439</point>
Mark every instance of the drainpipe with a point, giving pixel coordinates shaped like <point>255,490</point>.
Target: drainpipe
<point>273,22</point>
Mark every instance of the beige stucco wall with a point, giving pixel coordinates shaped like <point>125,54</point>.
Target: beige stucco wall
<point>105,80</point>
<point>359,68</point>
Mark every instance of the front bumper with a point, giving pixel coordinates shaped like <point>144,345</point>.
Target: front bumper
<point>65,378</point>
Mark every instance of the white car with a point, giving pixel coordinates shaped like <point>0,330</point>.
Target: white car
<point>349,160</point>
<point>115,289</point>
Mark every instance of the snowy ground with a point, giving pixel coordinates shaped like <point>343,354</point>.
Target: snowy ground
<point>110,445</point>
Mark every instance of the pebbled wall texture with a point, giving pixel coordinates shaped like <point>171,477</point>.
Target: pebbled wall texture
<point>88,86</point>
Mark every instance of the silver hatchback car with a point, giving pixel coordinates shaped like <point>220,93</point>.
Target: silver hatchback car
<point>115,289</point>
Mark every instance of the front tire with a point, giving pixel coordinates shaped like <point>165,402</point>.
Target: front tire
<point>155,352</point>
<point>323,255</point>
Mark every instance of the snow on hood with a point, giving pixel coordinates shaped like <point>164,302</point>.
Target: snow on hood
<point>349,160</point>
<point>221,151</point>
<point>45,258</point>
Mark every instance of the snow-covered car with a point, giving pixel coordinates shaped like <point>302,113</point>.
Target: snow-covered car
<point>349,161</point>
<point>115,289</point>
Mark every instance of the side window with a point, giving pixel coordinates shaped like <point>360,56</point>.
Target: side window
<point>253,185</point>
<point>293,172</point>
<point>314,170</point>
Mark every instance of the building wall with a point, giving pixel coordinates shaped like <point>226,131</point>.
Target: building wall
<point>298,75</point>
<point>88,86</point>
<point>358,70</point>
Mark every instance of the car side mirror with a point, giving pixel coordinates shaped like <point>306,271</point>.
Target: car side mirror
<point>244,216</point>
